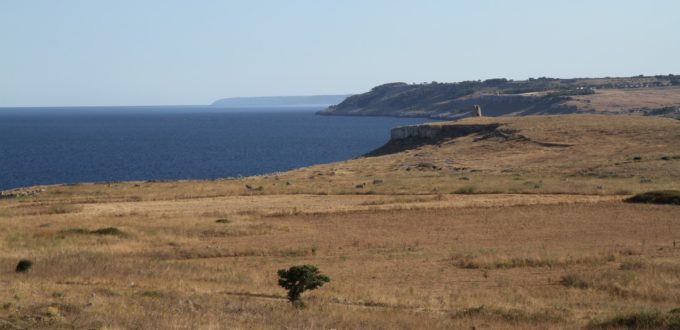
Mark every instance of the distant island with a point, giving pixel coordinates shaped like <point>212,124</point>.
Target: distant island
<point>281,101</point>
<point>640,95</point>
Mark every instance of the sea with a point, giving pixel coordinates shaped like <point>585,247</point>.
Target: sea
<point>41,146</point>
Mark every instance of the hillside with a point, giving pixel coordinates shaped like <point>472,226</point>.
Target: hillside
<point>585,154</point>
<point>281,101</point>
<point>485,223</point>
<point>642,95</point>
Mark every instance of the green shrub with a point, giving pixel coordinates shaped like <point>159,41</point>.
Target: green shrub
<point>113,231</point>
<point>108,231</point>
<point>23,266</point>
<point>298,279</point>
<point>466,190</point>
<point>645,319</point>
<point>657,197</point>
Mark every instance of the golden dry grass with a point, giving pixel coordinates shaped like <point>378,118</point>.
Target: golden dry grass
<point>554,246</point>
<point>623,100</point>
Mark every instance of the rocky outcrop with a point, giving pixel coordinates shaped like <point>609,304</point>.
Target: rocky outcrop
<point>410,137</point>
<point>434,132</point>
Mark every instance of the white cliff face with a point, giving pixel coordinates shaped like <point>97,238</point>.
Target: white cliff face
<point>433,132</point>
<point>409,137</point>
<point>418,131</point>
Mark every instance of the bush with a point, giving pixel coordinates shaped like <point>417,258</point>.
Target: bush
<point>645,319</point>
<point>639,320</point>
<point>24,265</point>
<point>466,190</point>
<point>108,231</point>
<point>101,231</point>
<point>298,279</point>
<point>657,197</point>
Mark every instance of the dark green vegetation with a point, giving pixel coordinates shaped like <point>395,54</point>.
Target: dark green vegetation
<point>645,319</point>
<point>298,279</point>
<point>23,266</point>
<point>107,231</point>
<point>501,96</point>
<point>657,197</point>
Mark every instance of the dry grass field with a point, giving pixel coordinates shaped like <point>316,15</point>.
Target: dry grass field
<point>622,100</point>
<point>519,227</point>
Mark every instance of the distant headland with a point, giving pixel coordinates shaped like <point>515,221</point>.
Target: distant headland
<point>640,95</point>
<point>281,101</point>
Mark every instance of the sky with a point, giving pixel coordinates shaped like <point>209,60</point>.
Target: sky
<point>172,52</point>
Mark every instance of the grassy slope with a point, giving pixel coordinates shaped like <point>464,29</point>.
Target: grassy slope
<point>614,100</point>
<point>403,249</point>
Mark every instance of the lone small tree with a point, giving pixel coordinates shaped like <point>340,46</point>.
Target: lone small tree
<point>298,279</point>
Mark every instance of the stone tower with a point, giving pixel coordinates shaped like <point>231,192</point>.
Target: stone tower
<point>478,110</point>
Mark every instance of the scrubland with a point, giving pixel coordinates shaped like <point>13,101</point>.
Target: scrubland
<point>522,229</point>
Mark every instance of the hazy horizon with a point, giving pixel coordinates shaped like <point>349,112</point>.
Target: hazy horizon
<point>209,104</point>
<point>127,53</point>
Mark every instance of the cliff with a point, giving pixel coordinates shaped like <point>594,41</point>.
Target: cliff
<point>656,95</point>
<point>541,132</point>
<point>410,137</point>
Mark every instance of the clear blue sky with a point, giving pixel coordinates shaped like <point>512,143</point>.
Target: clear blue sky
<point>143,52</point>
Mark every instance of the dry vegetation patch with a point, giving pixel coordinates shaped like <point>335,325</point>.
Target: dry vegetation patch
<point>434,267</point>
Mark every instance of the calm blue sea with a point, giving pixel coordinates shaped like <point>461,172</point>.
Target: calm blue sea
<point>66,145</point>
